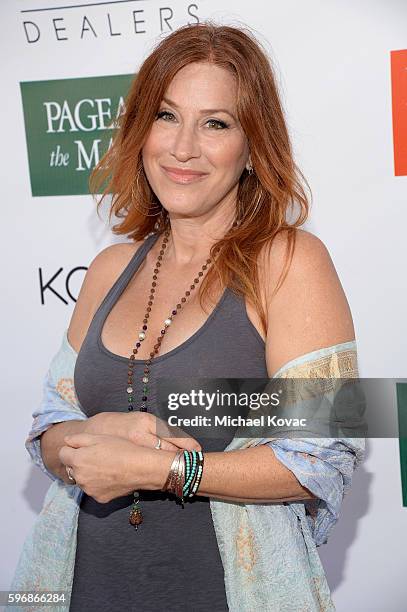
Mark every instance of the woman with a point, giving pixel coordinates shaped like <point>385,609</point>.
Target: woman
<point>203,176</point>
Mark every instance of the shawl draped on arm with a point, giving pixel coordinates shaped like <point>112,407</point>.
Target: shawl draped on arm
<point>269,551</point>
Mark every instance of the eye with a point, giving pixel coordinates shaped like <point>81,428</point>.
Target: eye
<point>161,114</point>
<point>221,124</point>
<point>217,124</point>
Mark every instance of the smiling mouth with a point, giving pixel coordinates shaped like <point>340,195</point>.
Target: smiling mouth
<point>183,177</point>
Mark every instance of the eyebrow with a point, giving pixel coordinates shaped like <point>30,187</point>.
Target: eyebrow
<point>203,111</point>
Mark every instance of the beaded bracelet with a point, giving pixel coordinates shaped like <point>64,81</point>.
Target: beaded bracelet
<point>193,472</point>
<point>185,474</point>
<point>197,481</point>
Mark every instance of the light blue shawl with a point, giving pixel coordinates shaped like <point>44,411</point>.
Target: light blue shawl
<point>269,551</point>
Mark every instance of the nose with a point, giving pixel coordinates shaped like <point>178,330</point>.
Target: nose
<point>186,142</point>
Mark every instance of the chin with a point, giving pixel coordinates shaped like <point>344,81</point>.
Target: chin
<point>182,206</point>
<point>181,211</point>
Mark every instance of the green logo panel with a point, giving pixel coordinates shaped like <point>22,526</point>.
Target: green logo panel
<point>402,418</point>
<point>69,126</point>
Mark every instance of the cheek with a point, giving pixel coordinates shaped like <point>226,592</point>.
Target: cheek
<point>227,152</point>
<point>158,141</point>
<point>151,147</point>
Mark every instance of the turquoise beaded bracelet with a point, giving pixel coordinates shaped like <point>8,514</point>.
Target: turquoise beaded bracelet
<point>185,474</point>
<point>193,472</point>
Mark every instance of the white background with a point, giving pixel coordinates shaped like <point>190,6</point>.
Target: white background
<point>333,67</point>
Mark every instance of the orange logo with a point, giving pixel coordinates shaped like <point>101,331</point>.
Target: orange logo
<point>399,108</point>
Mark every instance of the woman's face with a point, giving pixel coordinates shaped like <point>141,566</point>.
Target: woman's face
<point>187,136</point>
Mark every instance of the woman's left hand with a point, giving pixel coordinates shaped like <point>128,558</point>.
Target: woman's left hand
<point>106,467</point>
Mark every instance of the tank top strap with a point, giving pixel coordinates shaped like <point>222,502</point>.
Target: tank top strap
<point>123,280</point>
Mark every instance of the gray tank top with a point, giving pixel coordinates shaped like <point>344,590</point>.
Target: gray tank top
<point>172,561</point>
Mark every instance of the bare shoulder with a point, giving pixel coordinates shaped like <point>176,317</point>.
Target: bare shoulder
<point>310,309</point>
<point>309,255</point>
<point>102,273</point>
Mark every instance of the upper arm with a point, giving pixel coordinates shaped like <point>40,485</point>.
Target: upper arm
<point>103,271</point>
<point>310,310</point>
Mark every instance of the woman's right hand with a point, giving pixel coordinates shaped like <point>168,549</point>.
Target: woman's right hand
<point>140,428</point>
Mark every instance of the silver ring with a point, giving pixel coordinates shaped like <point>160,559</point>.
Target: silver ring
<point>158,445</point>
<point>69,472</point>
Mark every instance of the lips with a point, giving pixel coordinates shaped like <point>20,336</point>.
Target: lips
<point>183,176</point>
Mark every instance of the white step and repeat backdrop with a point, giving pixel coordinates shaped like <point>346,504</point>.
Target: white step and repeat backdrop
<point>342,69</point>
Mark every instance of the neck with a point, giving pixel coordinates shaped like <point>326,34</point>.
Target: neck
<point>191,238</point>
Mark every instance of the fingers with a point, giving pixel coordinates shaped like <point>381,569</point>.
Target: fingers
<point>188,443</point>
<point>172,438</point>
<point>151,440</point>
<point>175,435</point>
<point>65,455</point>
<point>80,439</point>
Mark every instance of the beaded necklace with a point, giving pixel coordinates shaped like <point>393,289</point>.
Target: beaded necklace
<point>136,516</point>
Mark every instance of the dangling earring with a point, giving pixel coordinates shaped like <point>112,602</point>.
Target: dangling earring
<point>250,168</point>
<point>145,212</point>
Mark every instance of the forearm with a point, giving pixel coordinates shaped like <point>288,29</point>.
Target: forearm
<point>250,475</point>
<point>51,442</point>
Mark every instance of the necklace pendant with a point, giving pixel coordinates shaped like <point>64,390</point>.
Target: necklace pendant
<point>136,517</point>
